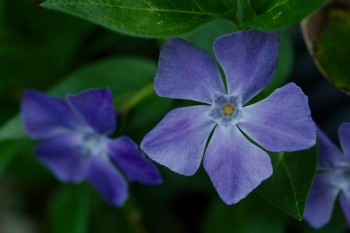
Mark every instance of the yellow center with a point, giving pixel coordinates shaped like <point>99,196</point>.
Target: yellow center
<point>228,109</point>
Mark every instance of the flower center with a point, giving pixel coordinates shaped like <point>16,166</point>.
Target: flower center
<point>93,144</point>
<point>225,109</point>
<point>228,109</point>
<point>342,178</point>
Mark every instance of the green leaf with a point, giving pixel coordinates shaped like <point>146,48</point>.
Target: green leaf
<point>288,187</point>
<point>125,76</point>
<point>12,130</point>
<point>147,18</point>
<point>276,14</point>
<point>204,36</point>
<point>69,210</point>
<point>333,54</point>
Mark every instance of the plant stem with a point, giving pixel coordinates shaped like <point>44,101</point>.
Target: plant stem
<point>131,103</point>
<point>138,97</point>
<point>247,9</point>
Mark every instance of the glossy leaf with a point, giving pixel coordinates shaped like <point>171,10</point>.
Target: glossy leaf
<point>147,18</point>
<point>204,36</point>
<point>288,187</point>
<point>329,44</point>
<point>276,14</point>
<point>69,210</point>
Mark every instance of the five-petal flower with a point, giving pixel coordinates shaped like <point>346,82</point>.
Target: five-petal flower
<point>76,144</point>
<point>236,166</point>
<point>333,178</point>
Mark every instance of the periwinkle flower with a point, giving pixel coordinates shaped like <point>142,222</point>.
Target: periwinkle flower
<point>76,146</point>
<point>333,178</point>
<point>236,166</point>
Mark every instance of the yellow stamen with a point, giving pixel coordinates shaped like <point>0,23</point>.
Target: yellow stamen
<point>228,109</point>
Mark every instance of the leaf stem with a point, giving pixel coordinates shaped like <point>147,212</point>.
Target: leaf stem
<point>138,97</point>
<point>131,103</point>
<point>247,9</point>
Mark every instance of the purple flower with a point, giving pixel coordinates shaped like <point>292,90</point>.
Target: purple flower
<point>76,146</point>
<point>235,165</point>
<point>333,178</point>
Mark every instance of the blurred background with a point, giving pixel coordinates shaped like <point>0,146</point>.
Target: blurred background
<point>40,48</point>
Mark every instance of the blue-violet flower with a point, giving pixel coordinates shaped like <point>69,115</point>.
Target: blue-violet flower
<point>333,178</point>
<point>76,144</point>
<point>281,122</point>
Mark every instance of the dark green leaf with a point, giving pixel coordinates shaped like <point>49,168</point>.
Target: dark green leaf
<point>12,130</point>
<point>275,14</point>
<point>288,187</point>
<point>148,18</point>
<point>125,76</point>
<point>204,36</point>
<point>69,210</point>
<point>333,54</point>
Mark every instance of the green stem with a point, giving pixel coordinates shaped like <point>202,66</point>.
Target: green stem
<point>131,103</point>
<point>138,97</point>
<point>232,16</point>
<point>247,9</point>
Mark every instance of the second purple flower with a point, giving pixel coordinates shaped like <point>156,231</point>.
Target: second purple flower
<point>281,122</point>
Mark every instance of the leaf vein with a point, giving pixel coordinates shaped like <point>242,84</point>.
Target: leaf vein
<point>135,8</point>
<point>291,183</point>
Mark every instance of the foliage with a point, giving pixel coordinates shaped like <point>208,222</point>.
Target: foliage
<point>60,54</point>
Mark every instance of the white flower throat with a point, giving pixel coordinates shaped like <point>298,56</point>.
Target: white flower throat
<point>225,109</point>
<point>93,144</point>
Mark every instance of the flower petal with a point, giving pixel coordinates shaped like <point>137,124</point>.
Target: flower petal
<point>187,72</point>
<point>44,116</point>
<point>132,162</point>
<point>345,205</point>
<point>344,138</point>
<point>179,140</point>
<point>319,206</point>
<point>96,108</point>
<point>281,122</point>
<point>234,165</point>
<point>249,59</point>
<point>107,180</point>
<point>64,157</point>
<point>329,155</point>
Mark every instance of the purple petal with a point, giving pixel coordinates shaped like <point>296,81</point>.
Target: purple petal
<point>187,72</point>
<point>178,141</point>
<point>44,116</point>
<point>96,108</point>
<point>132,162</point>
<point>281,122</point>
<point>321,199</point>
<point>329,155</point>
<point>234,165</point>
<point>249,59</point>
<point>345,205</point>
<point>344,138</point>
<point>107,180</point>
<point>63,156</point>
